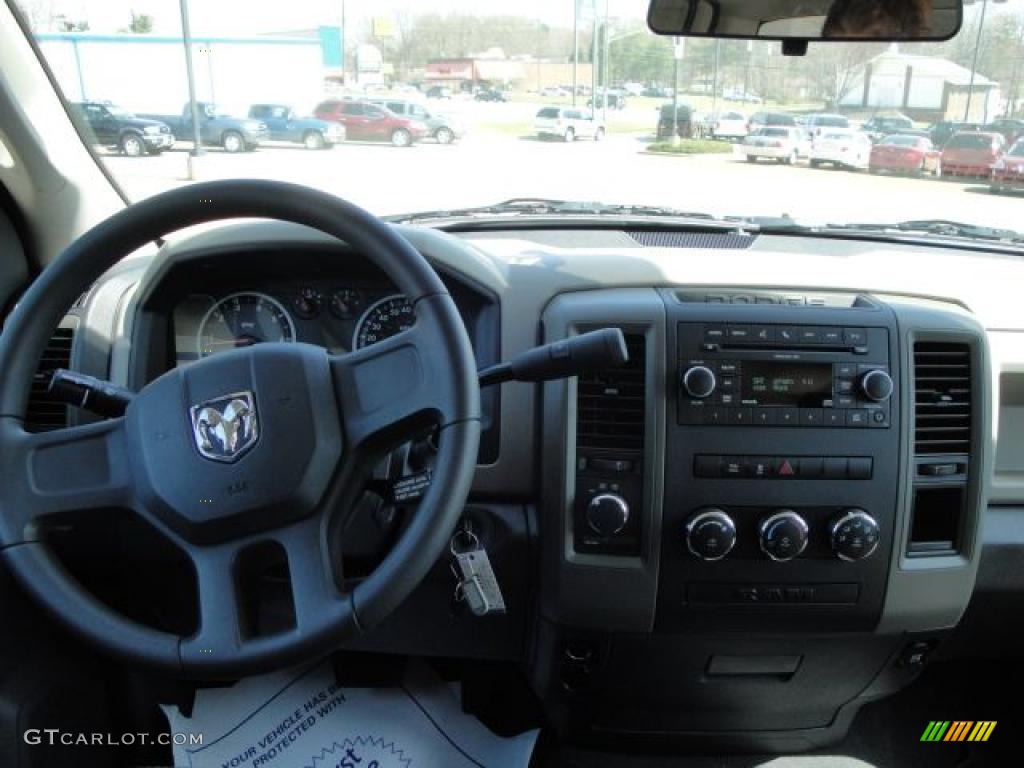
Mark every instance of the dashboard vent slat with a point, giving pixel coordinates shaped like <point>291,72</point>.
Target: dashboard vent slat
<point>942,398</point>
<point>610,409</point>
<point>45,414</point>
<point>666,238</point>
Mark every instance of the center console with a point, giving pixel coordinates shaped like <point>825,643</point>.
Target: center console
<point>768,516</point>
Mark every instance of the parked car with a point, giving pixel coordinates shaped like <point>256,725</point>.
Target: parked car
<point>903,153</point>
<point>439,92</point>
<point>814,124</point>
<point>119,129</point>
<point>365,121</point>
<point>1009,128</point>
<point>441,128</point>
<point>657,92</point>
<point>683,121</point>
<point>774,119</point>
<point>842,148</point>
<point>1008,170</point>
<point>284,125</point>
<point>781,143</point>
<point>941,131</point>
<point>972,153</point>
<point>555,92</point>
<point>234,134</point>
<point>879,127</point>
<point>491,94</point>
<point>726,125</point>
<point>737,94</point>
<point>568,124</point>
<point>615,101</point>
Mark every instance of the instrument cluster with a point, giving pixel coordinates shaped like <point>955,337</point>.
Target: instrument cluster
<point>338,317</point>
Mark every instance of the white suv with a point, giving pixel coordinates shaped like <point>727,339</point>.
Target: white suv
<point>567,124</point>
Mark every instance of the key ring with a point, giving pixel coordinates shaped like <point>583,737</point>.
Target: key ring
<point>466,537</point>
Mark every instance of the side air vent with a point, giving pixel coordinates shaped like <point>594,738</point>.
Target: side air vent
<point>666,238</point>
<point>610,404</point>
<point>942,398</point>
<point>44,412</point>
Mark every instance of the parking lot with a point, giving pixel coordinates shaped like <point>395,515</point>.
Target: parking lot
<point>499,159</point>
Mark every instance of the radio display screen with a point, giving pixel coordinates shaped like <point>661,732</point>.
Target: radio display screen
<point>804,385</point>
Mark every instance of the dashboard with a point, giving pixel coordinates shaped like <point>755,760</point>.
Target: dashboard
<point>789,477</point>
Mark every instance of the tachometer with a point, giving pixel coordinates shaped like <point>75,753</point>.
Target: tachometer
<point>241,320</point>
<point>383,319</point>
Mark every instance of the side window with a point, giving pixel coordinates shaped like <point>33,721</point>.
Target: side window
<point>374,114</point>
<point>279,113</point>
<point>397,107</point>
<point>353,109</point>
<point>572,114</point>
<point>419,111</point>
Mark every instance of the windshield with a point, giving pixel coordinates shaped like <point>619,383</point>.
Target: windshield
<point>1017,150</point>
<point>488,82</point>
<point>901,141</point>
<point>970,141</point>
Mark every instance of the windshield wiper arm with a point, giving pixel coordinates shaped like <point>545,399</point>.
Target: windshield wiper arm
<point>539,206</point>
<point>932,227</point>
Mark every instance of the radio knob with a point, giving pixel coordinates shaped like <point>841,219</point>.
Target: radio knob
<point>876,385</point>
<point>854,535</point>
<point>699,381</point>
<point>607,514</point>
<point>710,534</point>
<point>783,535</point>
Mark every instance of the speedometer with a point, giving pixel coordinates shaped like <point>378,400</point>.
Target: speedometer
<point>383,319</point>
<point>241,320</point>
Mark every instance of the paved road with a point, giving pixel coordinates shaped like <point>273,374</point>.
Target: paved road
<point>488,168</point>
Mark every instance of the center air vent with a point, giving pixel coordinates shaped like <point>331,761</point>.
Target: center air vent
<point>942,398</point>
<point>44,412</point>
<point>610,404</point>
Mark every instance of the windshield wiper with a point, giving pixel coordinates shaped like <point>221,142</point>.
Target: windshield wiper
<point>540,206</point>
<point>940,228</point>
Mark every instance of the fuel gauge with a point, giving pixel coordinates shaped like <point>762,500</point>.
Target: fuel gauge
<point>346,303</point>
<point>308,302</point>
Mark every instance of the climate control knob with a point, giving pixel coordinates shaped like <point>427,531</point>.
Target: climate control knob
<point>783,535</point>
<point>876,385</point>
<point>699,381</point>
<point>854,535</point>
<point>710,534</point>
<point>607,514</point>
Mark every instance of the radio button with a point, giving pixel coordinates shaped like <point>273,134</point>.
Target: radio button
<point>726,398</point>
<point>855,337</point>
<point>846,401</point>
<point>846,370</point>
<point>715,415</point>
<point>740,416</point>
<point>763,334</point>
<point>787,335</point>
<point>739,333</point>
<point>727,383</point>
<point>844,386</point>
<point>810,335</point>
<point>714,333</point>
<point>879,419</point>
<point>857,418</point>
<point>764,417</point>
<point>787,417</point>
<point>833,418</point>
<point>727,369</point>
<point>811,417</point>
<point>833,336</point>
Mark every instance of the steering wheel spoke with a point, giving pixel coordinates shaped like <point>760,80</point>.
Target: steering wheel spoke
<point>314,588</point>
<point>397,387</point>
<point>66,471</point>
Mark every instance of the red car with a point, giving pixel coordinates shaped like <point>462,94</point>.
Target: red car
<point>971,153</point>
<point>1008,171</point>
<point>905,154</point>
<point>364,121</point>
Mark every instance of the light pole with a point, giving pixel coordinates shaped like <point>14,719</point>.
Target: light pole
<point>677,56</point>
<point>974,60</point>
<point>714,81</point>
<point>186,36</point>
<point>575,46</point>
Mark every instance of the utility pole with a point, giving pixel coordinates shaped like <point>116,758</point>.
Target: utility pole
<point>746,72</point>
<point>604,67</point>
<point>677,55</point>
<point>974,64</point>
<point>593,68</point>
<point>197,143</point>
<point>575,47</point>
<point>714,81</point>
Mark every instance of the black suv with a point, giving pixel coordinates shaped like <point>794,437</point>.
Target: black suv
<point>683,121</point>
<point>118,128</point>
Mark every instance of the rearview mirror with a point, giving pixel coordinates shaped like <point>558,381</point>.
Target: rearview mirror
<point>888,20</point>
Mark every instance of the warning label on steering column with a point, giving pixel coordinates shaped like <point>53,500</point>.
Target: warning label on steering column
<point>303,718</point>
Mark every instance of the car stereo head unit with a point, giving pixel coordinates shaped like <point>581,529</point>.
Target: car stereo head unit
<point>783,375</point>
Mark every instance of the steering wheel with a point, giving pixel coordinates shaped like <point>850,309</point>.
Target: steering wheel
<point>268,444</point>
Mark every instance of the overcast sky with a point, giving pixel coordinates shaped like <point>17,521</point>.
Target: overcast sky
<point>220,17</point>
<point>240,17</point>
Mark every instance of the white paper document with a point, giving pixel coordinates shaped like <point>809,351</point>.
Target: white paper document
<point>303,719</point>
